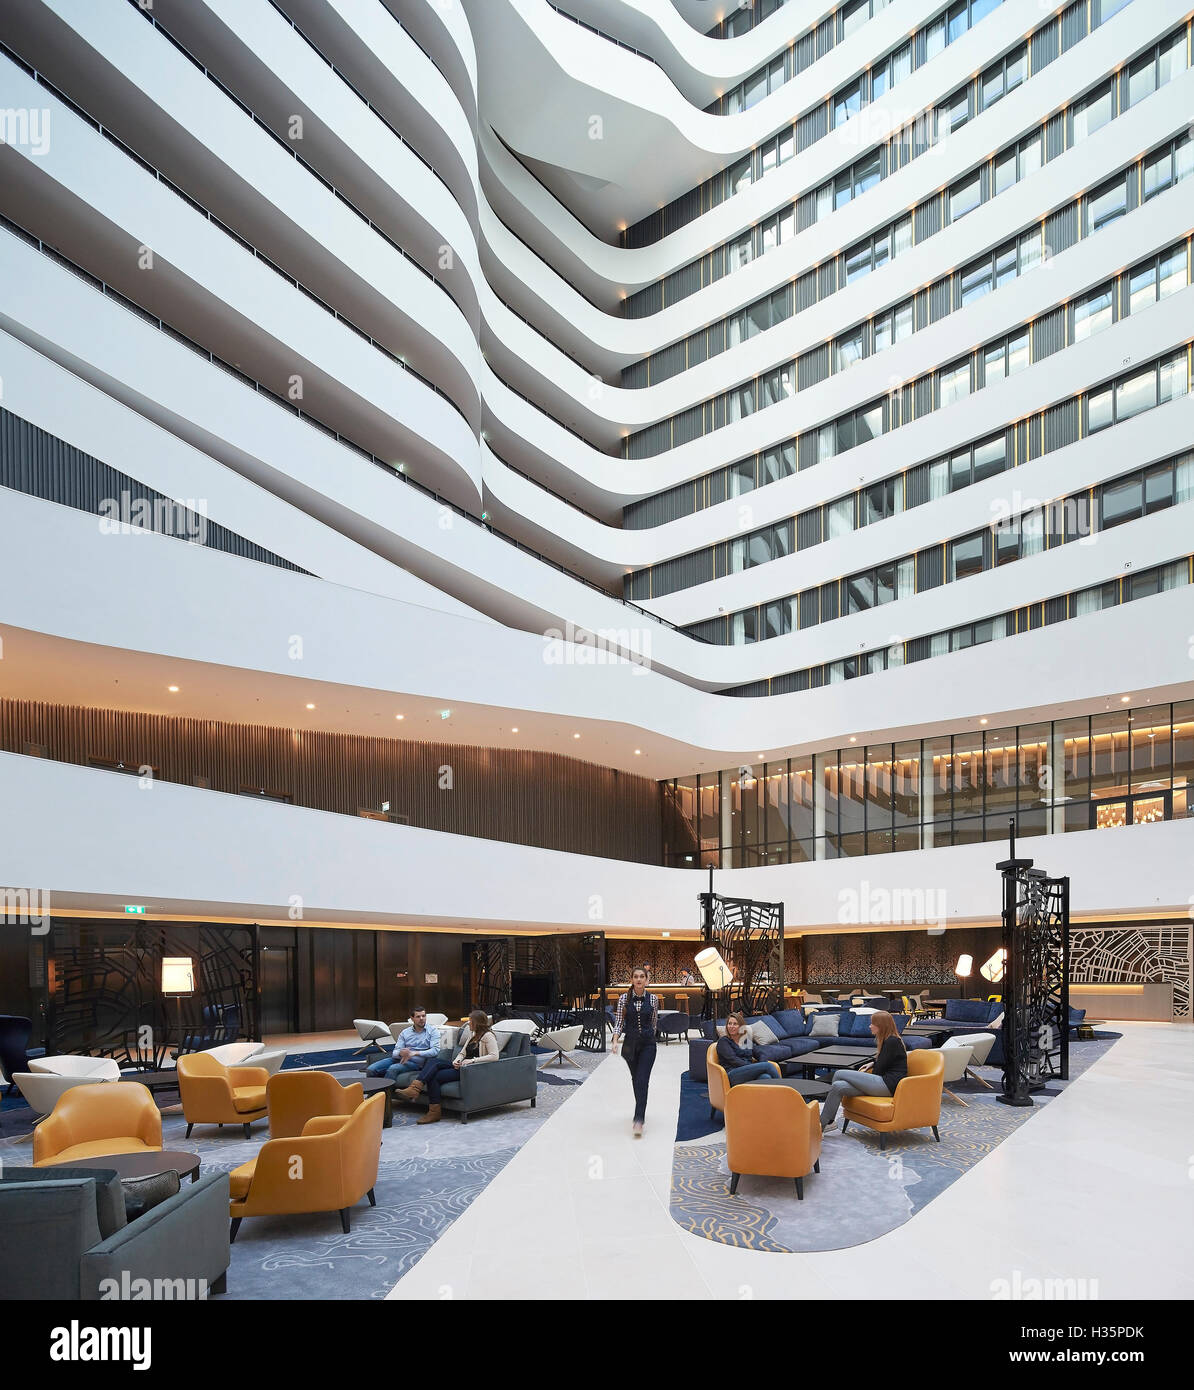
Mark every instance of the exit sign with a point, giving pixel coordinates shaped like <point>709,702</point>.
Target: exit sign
<point>138,908</point>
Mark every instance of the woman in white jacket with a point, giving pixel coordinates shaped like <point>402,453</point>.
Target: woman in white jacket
<point>477,1043</point>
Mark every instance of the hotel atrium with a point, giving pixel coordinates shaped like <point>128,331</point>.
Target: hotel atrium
<point>633,541</point>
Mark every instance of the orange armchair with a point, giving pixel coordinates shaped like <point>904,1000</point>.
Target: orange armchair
<point>915,1105</point>
<point>294,1097</point>
<point>719,1082</point>
<point>213,1094</point>
<point>92,1121</point>
<point>329,1167</point>
<point>772,1132</point>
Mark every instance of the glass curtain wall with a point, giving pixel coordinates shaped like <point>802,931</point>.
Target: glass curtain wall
<point>1096,772</point>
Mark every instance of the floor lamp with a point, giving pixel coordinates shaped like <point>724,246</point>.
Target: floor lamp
<point>962,970</point>
<point>716,974</point>
<point>178,982</point>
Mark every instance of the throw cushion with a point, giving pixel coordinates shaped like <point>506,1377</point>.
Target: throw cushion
<point>791,1021</point>
<point>900,1021</point>
<point>967,1011</point>
<point>143,1194</point>
<point>824,1026</point>
<point>861,1026</point>
<point>763,1033</point>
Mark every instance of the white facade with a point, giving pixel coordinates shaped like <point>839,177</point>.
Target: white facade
<point>329,245</point>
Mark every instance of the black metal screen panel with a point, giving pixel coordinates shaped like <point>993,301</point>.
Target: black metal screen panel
<point>750,937</point>
<point>105,993</point>
<point>1036,923</point>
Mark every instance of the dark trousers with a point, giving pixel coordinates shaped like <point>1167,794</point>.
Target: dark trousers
<point>640,1058</point>
<point>750,1072</point>
<point>436,1074</point>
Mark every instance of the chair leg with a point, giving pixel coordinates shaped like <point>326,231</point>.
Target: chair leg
<point>734,1182</point>
<point>936,1135</point>
<point>221,1284</point>
<point>817,1166</point>
<point>236,1220</point>
<point>800,1189</point>
<point>372,1198</point>
<point>712,1113</point>
<point>845,1124</point>
<point>882,1141</point>
<point>946,1091</point>
<point>189,1128</point>
<point>344,1226</point>
<point>974,1076</point>
<point>246,1130</point>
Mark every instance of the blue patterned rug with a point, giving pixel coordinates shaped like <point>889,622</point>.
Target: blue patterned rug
<point>860,1193</point>
<point>428,1175</point>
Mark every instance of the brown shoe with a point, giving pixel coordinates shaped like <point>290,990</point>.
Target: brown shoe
<point>433,1116</point>
<point>411,1092</point>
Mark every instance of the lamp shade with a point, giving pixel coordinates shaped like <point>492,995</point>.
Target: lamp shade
<point>714,971</point>
<point>993,969</point>
<point>178,975</point>
<point>964,966</point>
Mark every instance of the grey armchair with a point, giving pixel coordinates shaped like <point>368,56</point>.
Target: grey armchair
<point>63,1235</point>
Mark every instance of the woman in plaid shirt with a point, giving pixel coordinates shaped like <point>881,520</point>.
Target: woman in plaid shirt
<point>634,1027</point>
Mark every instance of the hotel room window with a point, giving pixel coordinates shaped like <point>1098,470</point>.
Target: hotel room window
<point>966,556</point>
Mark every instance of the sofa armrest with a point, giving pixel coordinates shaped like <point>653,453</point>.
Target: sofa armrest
<point>498,1083</point>
<point>184,1238</point>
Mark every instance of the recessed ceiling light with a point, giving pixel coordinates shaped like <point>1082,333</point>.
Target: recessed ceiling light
<point>400,716</point>
<point>576,736</point>
<point>853,739</point>
<point>310,706</point>
<point>665,933</point>
<point>638,752</point>
<point>445,713</point>
<point>513,731</point>
<point>1123,699</point>
<point>982,721</point>
<point>173,689</point>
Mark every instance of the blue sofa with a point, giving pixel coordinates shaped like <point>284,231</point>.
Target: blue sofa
<point>791,1029</point>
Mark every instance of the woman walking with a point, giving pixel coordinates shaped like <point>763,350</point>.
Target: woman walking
<point>634,1028</point>
<point>476,1043</point>
<point>888,1070</point>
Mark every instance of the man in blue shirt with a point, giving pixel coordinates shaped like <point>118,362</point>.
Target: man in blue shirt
<point>416,1044</point>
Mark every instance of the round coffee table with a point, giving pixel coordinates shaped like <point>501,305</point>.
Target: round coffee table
<point>144,1164</point>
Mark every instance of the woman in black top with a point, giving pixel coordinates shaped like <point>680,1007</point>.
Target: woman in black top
<point>886,1072</point>
<point>634,1028</point>
<point>736,1059</point>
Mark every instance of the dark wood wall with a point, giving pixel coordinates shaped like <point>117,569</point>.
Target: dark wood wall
<point>540,799</point>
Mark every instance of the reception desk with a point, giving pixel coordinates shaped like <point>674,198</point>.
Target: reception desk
<point>1139,1003</point>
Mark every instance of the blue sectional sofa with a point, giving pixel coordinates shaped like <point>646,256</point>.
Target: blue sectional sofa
<point>791,1029</point>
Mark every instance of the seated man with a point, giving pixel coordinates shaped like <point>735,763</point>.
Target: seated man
<point>416,1045</point>
<point>733,1052</point>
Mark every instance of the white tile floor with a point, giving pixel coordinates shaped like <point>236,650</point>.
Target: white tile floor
<point>1095,1187</point>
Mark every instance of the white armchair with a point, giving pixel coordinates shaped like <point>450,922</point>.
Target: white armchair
<point>957,1053</point>
<point>52,1077</point>
<point>373,1033</point>
<point>253,1054</point>
<point>564,1041</point>
<point>980,1047</point>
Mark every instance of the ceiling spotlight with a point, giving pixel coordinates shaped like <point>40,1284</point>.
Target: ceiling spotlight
<point>853,738</point>
<point>1124,699</point>
<point>982,721</point>
<point>400,716</point>
<point>310,706</point>
<point>576,736</point>
<point>513,731</point>
<point>173,689</point>
<point>445,713</point>
<point>638,752</point>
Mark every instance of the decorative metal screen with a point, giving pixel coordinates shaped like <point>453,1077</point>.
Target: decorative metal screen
<point>105,988</point>
<point>750,937</point>
<point>1036,923</point>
